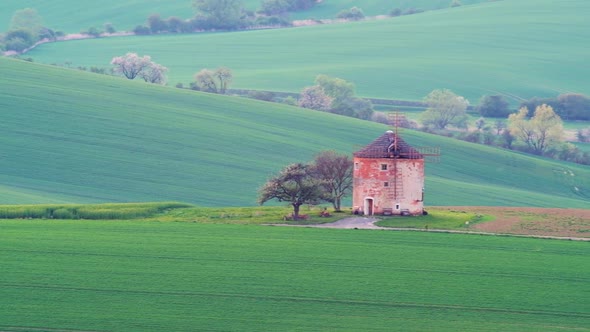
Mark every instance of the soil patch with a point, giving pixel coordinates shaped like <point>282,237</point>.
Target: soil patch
<point>530,220</point>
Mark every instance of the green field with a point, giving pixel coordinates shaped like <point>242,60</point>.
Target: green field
<point>77,137</point>
<point>489,48</point>
<point>149,276</point>
<point>74,16</point>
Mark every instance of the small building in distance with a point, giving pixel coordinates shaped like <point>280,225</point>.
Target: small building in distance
<point>388,178</point>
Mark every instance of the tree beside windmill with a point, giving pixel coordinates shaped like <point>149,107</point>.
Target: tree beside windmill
<point>388,177</point>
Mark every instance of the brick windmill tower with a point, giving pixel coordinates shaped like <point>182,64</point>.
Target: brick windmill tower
<point>388,176</point>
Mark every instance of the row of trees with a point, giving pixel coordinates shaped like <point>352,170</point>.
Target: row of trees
<point>132,65</point>
<point>328,178</point>
<point>26,29</point>
<point>538,130</point>
<point>213,80</point>
<point>569,106</point>
<point>225,15</point>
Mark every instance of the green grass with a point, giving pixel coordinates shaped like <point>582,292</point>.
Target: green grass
<point>473,50</point>
<point>436,219</point>
<point>87,211</point>
<point>153,276</point>
<point>583,146</point>
<point>75,137</point>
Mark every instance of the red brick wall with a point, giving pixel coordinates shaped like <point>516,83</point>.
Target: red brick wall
<point>398,187</point>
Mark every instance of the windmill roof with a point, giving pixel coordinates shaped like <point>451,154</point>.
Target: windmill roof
<point>379,148</point>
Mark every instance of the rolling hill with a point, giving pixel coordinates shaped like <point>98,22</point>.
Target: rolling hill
<point>71,136</point>
<point>488,48</point>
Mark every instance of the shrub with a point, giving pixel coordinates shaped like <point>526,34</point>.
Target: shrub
<point>109,28</point>
<point>93,31</point>
<point>290,100</point>
<point>175,24</point>
<point>395,12</point>
<point>353,14</point>
<point>141,30</point>
<point>17,45</point>
<point>493,107</point>
<point>262,95</point>
<point>19,40</point>
<point>272,21</point>
<point>573,106</point>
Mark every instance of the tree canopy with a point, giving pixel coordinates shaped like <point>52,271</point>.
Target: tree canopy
<point>343,97</point>
<point>493,106</point>
<point>335,173</point>
<point>215,81</point>
<point>314,97</point>
<point>220,14</point>
<point>444,108</point>
<point>295,184</point>
<point>132,65</point>
<point>539,132</point>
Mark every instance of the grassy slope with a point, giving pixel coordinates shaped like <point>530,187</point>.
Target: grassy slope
<point>474,50</point>
<point>71,136</point>
<point>125,276</point>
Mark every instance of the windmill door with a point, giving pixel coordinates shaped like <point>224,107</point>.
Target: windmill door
<point>368,206</point>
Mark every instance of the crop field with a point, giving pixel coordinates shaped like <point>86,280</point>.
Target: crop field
<point>151,276</point>
<point>87,138</point>
<point>400,58</point>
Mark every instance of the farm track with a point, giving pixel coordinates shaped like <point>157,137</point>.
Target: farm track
<point>368,223</point>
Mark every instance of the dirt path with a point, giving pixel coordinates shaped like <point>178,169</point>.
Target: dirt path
<point>368,223</point>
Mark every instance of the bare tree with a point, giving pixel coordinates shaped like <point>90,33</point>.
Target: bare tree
<point>216,81</point>
<point>224,78</point>
<point>205,80</point>
<point>154,73</point>
<point>295,184</point>
<point>335,174</point>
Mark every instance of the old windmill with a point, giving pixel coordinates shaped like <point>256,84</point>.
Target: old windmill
<point>388,176</point>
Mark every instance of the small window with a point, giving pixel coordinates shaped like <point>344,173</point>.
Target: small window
<point>397,206</point>
<point>356,165</point>
<point>385,184</point>
<point>383,167</point>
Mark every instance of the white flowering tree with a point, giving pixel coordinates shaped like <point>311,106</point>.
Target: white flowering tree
<point>314,97</point>
<point>132,65</point>
<point>154,73</point>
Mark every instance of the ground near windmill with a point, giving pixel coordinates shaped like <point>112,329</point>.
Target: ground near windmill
<point>533,221</point>
<point>528,221</point>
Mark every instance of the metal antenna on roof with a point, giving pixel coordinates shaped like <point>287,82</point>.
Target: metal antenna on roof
<point>399,121</point>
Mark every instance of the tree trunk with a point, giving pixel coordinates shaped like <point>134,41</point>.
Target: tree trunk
<point>337,204</point>
<point>296,211</point>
